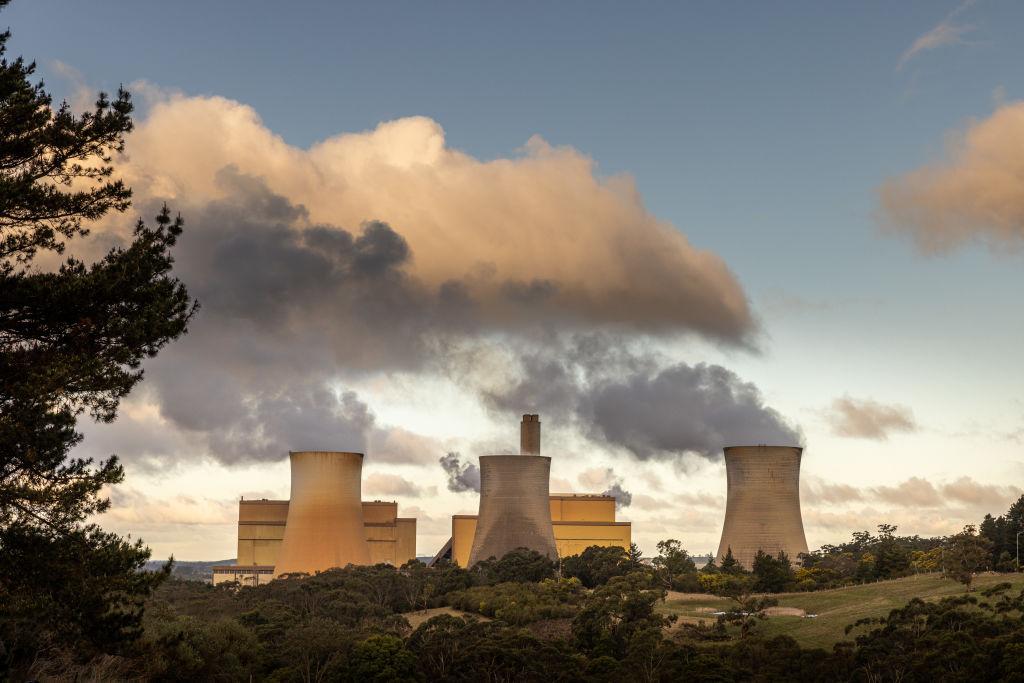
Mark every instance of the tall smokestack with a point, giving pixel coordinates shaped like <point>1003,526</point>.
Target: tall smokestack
<point>325,515</point>
<point>529,435</point>
<point>762,510</point>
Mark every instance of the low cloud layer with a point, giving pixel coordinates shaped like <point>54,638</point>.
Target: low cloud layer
<point>867,419</point>
<point>915,492</point>
<point>382,484</point>
<point>974,195</point>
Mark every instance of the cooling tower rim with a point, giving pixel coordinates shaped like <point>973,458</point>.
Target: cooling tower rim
<point>517,456</point>
<point>764,446</point>
<point>346,453</point>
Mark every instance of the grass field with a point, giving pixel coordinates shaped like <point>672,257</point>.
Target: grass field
<point>835,608</point>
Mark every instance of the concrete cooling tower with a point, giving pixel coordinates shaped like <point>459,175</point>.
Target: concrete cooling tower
<point>325,516</point>
<point>515,509</point>
<point>762,510</point>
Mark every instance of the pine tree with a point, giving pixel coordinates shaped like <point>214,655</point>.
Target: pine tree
<point>71,342</point>
<point>729,563</point>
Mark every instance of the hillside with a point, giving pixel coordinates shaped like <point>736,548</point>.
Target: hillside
<point>189,570</point>
<point>836,608</point>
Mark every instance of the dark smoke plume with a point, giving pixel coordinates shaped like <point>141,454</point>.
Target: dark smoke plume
<point>632,400</point>
<point>623,498</point>
<point>461,476</point>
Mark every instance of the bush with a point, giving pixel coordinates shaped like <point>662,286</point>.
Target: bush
<point>521,565</point>
<point>522,603</point>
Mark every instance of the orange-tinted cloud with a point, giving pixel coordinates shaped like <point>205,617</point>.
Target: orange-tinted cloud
<point>975,194</point>
<point>541,228</point>
<point>867,419</point>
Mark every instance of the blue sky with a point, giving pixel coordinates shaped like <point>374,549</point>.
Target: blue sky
<point>761,131</point>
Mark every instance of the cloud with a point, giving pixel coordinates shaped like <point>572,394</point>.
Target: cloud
<point>683,408</point>
<point>536,238</point>
<point>611,484</point>
<point>867,419</point>
<point>381,484</point>
<point>946,32</point>
<point>915,492</point>
<point>379,252</point>
<point>461,476</point>
<point>623,498</point>
<point>974,195</point>
<point>628,398</point>
<point>815,490</point>
<point>966,490</point>
<point>130,506</point>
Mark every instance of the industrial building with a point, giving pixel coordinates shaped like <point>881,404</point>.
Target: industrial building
<point>517,510</point>
<point>324,525</point>
<point>762,510</point>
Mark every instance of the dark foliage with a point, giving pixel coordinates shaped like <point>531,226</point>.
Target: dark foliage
<point>521,565</point>
<point>596,565</point>
<point>772,574</point>
<point>72,338</point>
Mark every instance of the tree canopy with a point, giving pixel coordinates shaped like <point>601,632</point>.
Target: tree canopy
<point>73,335</point>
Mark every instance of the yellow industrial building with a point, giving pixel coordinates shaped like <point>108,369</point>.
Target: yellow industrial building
<point>578,520</point>
<point>261,524</point>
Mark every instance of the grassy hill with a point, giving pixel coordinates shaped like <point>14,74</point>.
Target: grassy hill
<point>836,608</point>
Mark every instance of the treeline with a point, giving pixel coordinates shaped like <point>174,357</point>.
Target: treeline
<point>528,624</point>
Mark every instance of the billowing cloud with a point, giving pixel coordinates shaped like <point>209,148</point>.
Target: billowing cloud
<point>976,194</point>
<point>461,476</point>
<point>629,399</point>
<point>683,408</point>
<point>378,252</point>
<point>534,238</point>
<point>867,419</point>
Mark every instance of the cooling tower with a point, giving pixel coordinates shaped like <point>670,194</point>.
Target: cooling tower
<point>762,511</point>
<point>515,509</point>
<point>325,516</point>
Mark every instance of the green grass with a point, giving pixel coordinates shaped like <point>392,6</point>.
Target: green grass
<point>841,606</point>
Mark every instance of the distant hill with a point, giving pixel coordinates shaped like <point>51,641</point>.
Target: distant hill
<point>189,571</point>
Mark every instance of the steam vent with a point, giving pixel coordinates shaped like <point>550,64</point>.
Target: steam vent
<point>324,528</point>
<point>515,510</point>
<point>762,510</point>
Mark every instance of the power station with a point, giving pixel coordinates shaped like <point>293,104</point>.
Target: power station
<point>517,511</point>
<point>324,527</point>
<point>514,508</point>
<point>762,509</point>
<point>326,524</point>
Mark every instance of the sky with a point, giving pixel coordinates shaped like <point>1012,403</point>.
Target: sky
<point>666,228</point>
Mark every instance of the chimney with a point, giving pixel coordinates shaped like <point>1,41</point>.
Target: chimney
<point>529,435</point>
